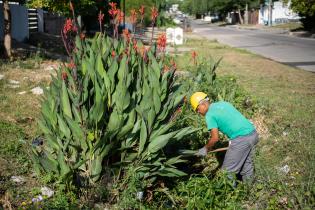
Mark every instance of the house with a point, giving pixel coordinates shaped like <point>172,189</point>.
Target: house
<point>281,13</point>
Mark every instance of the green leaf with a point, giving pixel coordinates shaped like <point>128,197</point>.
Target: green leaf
<point>175,160</point>
<point>64,168</point>
<point>65,101</point>
<point>63,127</point>
<point>159,142</point>
<point>171,172</point>
<point>143,136</point>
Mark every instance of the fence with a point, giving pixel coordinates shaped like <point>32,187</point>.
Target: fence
<point>19,22</point>
<point>253,17</point>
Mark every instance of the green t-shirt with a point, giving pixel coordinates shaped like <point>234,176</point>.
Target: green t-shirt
<point>228,120</point>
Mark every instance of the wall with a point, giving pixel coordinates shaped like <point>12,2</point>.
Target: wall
<point>19,23</point>
<point>281,13</point>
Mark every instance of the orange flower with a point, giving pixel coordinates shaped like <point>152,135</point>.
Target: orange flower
<point>133,16</point>
<point>141,11</point>
<point>166,69</point>
<point>67,26</point>
<point>126,34</point>
<point>154,14</point>
<point>112,5</point>
<point>194,56</point>
<point>113,53</point>
<point>120,16</point>
<point>173,63</point>
<point>64,75</point>
<point>71,65</point>
<point>161,42</point>
<point>135,46</point>
<point>142,51</point>
<point>100,17</point>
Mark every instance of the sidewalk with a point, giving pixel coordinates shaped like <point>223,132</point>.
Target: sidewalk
<point>304,34</point>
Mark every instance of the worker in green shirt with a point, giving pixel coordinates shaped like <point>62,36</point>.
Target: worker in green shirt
<point>223,116</point>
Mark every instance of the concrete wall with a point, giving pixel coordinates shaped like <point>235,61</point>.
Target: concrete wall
<point>19,23</point>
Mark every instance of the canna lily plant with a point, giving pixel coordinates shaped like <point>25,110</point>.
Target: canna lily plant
<point>112,106</point>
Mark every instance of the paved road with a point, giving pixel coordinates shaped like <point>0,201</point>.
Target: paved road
<point>293,51</point>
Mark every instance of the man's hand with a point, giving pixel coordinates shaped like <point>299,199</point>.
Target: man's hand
<point>202,152</point>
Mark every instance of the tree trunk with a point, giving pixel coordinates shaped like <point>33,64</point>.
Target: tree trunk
<point>7,28</point>
<point>240,16</point>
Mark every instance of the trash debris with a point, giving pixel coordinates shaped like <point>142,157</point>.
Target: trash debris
<point>37,91</point>
<point>1,76</point>
<point>14,86</point>
<point>140,195</point>
<point>285,169</point>
<point>46,191</point>
<point>17,179</point>
<point>37,141</point>
<point>283,201</point>
<point>37,199</point>
<point>284,133</point>
<point>22,92</point>
<point>14,82</point>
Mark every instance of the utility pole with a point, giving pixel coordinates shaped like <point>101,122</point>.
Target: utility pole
<point>270,13</point>
<point>246,14</point>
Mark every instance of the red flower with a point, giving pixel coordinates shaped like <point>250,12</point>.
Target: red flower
<point>133,16</point>
<point>126,34</point>
<point>154,14</point>
<point>166,69</point>
<point>71,65</point>
<point>120,16</point>
<point>142,51</point>
<point>112,5</point>
<point>74,28</point>
<point>135,46</point>
<point>113,53</point>
<point>141,10</point>
<point>113,12</point>
<point>67,26</point>
<point>64,75</point>
<point>100,17</point>
<point>194,56</point>
<point>173,63</point>
<point>161,42</point>
<point>127,51</point>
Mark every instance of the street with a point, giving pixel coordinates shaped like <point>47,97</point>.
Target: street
<point>289,50</point>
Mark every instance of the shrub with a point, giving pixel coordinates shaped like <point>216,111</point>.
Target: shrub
<point>113,105</point>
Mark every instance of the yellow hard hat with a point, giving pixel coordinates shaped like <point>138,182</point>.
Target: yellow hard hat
<point>196,98</point>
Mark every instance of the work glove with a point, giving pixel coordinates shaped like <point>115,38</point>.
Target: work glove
<point>202,152</point>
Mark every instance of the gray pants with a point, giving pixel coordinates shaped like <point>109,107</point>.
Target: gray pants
<point>239,157</point>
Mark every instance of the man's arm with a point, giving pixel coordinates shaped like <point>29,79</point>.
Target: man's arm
<point>214,138</point>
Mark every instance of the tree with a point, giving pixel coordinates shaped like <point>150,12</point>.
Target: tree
<point>7,28</point>
<point>82,7</point>
<point>306,9</point>
<point>221,7</point>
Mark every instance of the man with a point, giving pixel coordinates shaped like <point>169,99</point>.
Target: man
<point>223,116</point>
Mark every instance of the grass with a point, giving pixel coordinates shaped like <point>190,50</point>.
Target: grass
<point>18,113</point>
<point>288,95</point>
<point>292,26</point>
